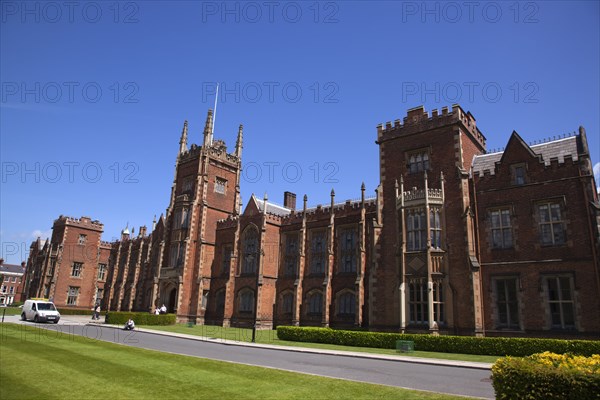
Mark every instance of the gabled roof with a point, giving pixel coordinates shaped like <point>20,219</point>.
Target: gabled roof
<point>271,207</point>
<point>556,149</point>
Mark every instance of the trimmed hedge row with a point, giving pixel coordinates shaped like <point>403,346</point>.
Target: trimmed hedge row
<point>493,346</point>
<point>74,311</point>
<point>140,318</point>
<point>547,376</point>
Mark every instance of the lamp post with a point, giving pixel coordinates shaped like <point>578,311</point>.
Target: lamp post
<point>256,301</point>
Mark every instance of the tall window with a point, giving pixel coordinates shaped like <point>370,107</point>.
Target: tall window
<point>315,303</point>
<point>246,301</point>
<point>418,301</point>
<point>220,302</point>
<point>348,241</point>
<point>501,228</point>
<point>220,185</point>
<point>81,239</point>
<point>347,304</point>
<point>416,229</point>
<point>507,303</point>
<point>560,301</point>
<point>185,217</point>
<point>250,246</point>
<point>3,288</point>
<point>551,224</point>
<point>287,303</point>
<point>291,254</point>
<point>72,295</point>
<point>435,228</point>
<point>188,185</point>
<point>176,255</point>
<point>518,174</point>
<point>101,272</point>
<point>11,290</point>
<point>177,219</point>
<point>418,162</point>
<point>76,269</point>
<point>226,264</point>
<point>181,218</point>
<point>318,248</point>
<point>439,312</point>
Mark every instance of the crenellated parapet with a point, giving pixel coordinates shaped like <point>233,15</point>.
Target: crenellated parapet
<point>418,120</point>
<point>230,222</point>
<point>83,222</point>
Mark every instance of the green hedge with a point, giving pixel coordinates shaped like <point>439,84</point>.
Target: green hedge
<point>140,318</point>
<point>537,377</point>
<point>493,346</point>
<point>74,311</point>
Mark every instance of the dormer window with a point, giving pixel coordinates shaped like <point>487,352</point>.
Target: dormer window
<point>518,174</point>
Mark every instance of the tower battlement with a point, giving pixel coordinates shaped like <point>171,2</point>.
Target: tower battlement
<point>418,120</point>
<point>83,222</point>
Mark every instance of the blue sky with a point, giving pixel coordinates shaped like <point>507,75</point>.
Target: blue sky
<point>94,94</point>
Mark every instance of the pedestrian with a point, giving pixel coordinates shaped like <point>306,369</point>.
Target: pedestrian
<point>163,309</point>
<point>97,312</point>
<point>130,325</point>
<point>156,311</point>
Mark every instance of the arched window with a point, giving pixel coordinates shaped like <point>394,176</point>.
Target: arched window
<point>315,303</point>
<point>346,304</point>
<point>435,229</point>
<point>287,303</point>
<point>250,251</point>
<point>318,248</point>
<point>246,301</point>
<point>416,230</point>
<point>348,242</point>
<point>220,302</point>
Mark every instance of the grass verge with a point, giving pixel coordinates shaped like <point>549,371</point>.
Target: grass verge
<point>35,364</point>
<point>270,337</point>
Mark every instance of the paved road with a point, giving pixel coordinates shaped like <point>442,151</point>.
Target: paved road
<point>443,379</point>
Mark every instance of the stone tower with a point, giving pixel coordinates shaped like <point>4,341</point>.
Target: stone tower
<point>206,188</point>
<point>427,274</point>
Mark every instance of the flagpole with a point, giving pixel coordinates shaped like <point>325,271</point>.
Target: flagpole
<point>214,115</point>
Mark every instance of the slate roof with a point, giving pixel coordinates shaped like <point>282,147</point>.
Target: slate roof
<point>555,149</point>
<point>11,269</point>
<point>272,208</point>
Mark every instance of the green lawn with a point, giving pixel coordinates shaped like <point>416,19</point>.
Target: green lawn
<point>43,365</point>
<point>270,337</point>
<point>10,311</point>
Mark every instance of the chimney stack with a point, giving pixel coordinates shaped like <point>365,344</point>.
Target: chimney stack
<point>289,200</point>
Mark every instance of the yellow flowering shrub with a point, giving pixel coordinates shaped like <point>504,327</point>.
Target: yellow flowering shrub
<point>547,376</point>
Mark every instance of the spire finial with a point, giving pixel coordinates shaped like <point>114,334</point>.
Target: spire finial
<point>265,203</point>
<point>183,140</point>
<point>238,143</point>
<point>208,129</point>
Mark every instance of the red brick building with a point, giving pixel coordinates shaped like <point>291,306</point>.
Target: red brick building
<point>71,267</point>
<point>11,282</point>
<point>456,240</point>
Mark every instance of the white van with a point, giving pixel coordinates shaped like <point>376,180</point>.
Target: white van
<point>40,310</point>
